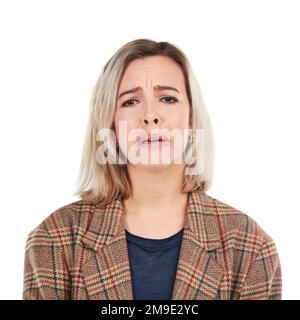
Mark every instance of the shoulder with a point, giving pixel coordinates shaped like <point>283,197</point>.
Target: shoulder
<point>231,224</point>
<point>242,248</point>
<point>66,223</point>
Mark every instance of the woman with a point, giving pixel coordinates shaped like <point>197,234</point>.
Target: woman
<point>148,230</point>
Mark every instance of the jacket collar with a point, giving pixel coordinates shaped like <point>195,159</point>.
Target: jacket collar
<point>102,234</point>
<point>106,267</point>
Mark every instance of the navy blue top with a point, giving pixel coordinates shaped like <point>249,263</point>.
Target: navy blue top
<point>153,265</point>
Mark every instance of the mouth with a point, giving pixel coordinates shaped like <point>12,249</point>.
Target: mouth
<point>155,140</point>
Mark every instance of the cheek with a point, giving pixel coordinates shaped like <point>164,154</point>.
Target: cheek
<point>124,124</point>
<point>125,116</point>
<point>179,120</point>
<point>119,118</point>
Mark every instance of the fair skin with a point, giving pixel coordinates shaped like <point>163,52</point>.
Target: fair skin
<point>157,208</point>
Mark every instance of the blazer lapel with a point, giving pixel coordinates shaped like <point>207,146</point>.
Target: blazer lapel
<point>106,268</point>
<point>198,275</point>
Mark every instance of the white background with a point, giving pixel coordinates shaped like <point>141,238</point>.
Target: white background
<point>245,55</point>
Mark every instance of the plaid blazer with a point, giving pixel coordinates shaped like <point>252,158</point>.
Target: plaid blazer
<point>80,252</point>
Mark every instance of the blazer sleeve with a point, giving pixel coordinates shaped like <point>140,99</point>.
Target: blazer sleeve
<point>264,279</point>
<point>45,275</point>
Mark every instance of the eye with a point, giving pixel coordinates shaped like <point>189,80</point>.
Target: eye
<point>172,98</point>
<point>126,103</point>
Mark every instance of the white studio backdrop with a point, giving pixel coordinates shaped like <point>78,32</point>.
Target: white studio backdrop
<point>245,55</point>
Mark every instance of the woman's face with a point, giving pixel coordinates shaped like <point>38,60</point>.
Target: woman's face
<point>152,106</point>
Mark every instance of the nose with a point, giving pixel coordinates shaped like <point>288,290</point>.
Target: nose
<point>148,120</point>
<point>151,116</point>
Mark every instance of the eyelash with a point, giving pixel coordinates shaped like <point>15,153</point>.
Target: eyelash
<point>124,103</point>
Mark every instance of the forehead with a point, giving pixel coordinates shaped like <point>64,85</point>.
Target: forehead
<point>151,71</point>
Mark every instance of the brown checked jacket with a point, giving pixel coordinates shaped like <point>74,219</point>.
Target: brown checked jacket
<point>79,252</point>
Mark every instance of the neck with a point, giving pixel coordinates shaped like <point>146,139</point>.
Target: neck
<point>156,192</point>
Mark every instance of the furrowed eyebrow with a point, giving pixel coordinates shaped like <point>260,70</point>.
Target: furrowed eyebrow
<point>156,88</point>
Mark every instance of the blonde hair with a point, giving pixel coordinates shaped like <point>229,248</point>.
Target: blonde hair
<point>102,183</point>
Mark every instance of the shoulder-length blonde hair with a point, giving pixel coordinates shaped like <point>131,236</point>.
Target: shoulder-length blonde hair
<point>102,183</point>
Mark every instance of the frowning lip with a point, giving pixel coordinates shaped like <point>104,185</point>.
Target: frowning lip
<point>153,137</point>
